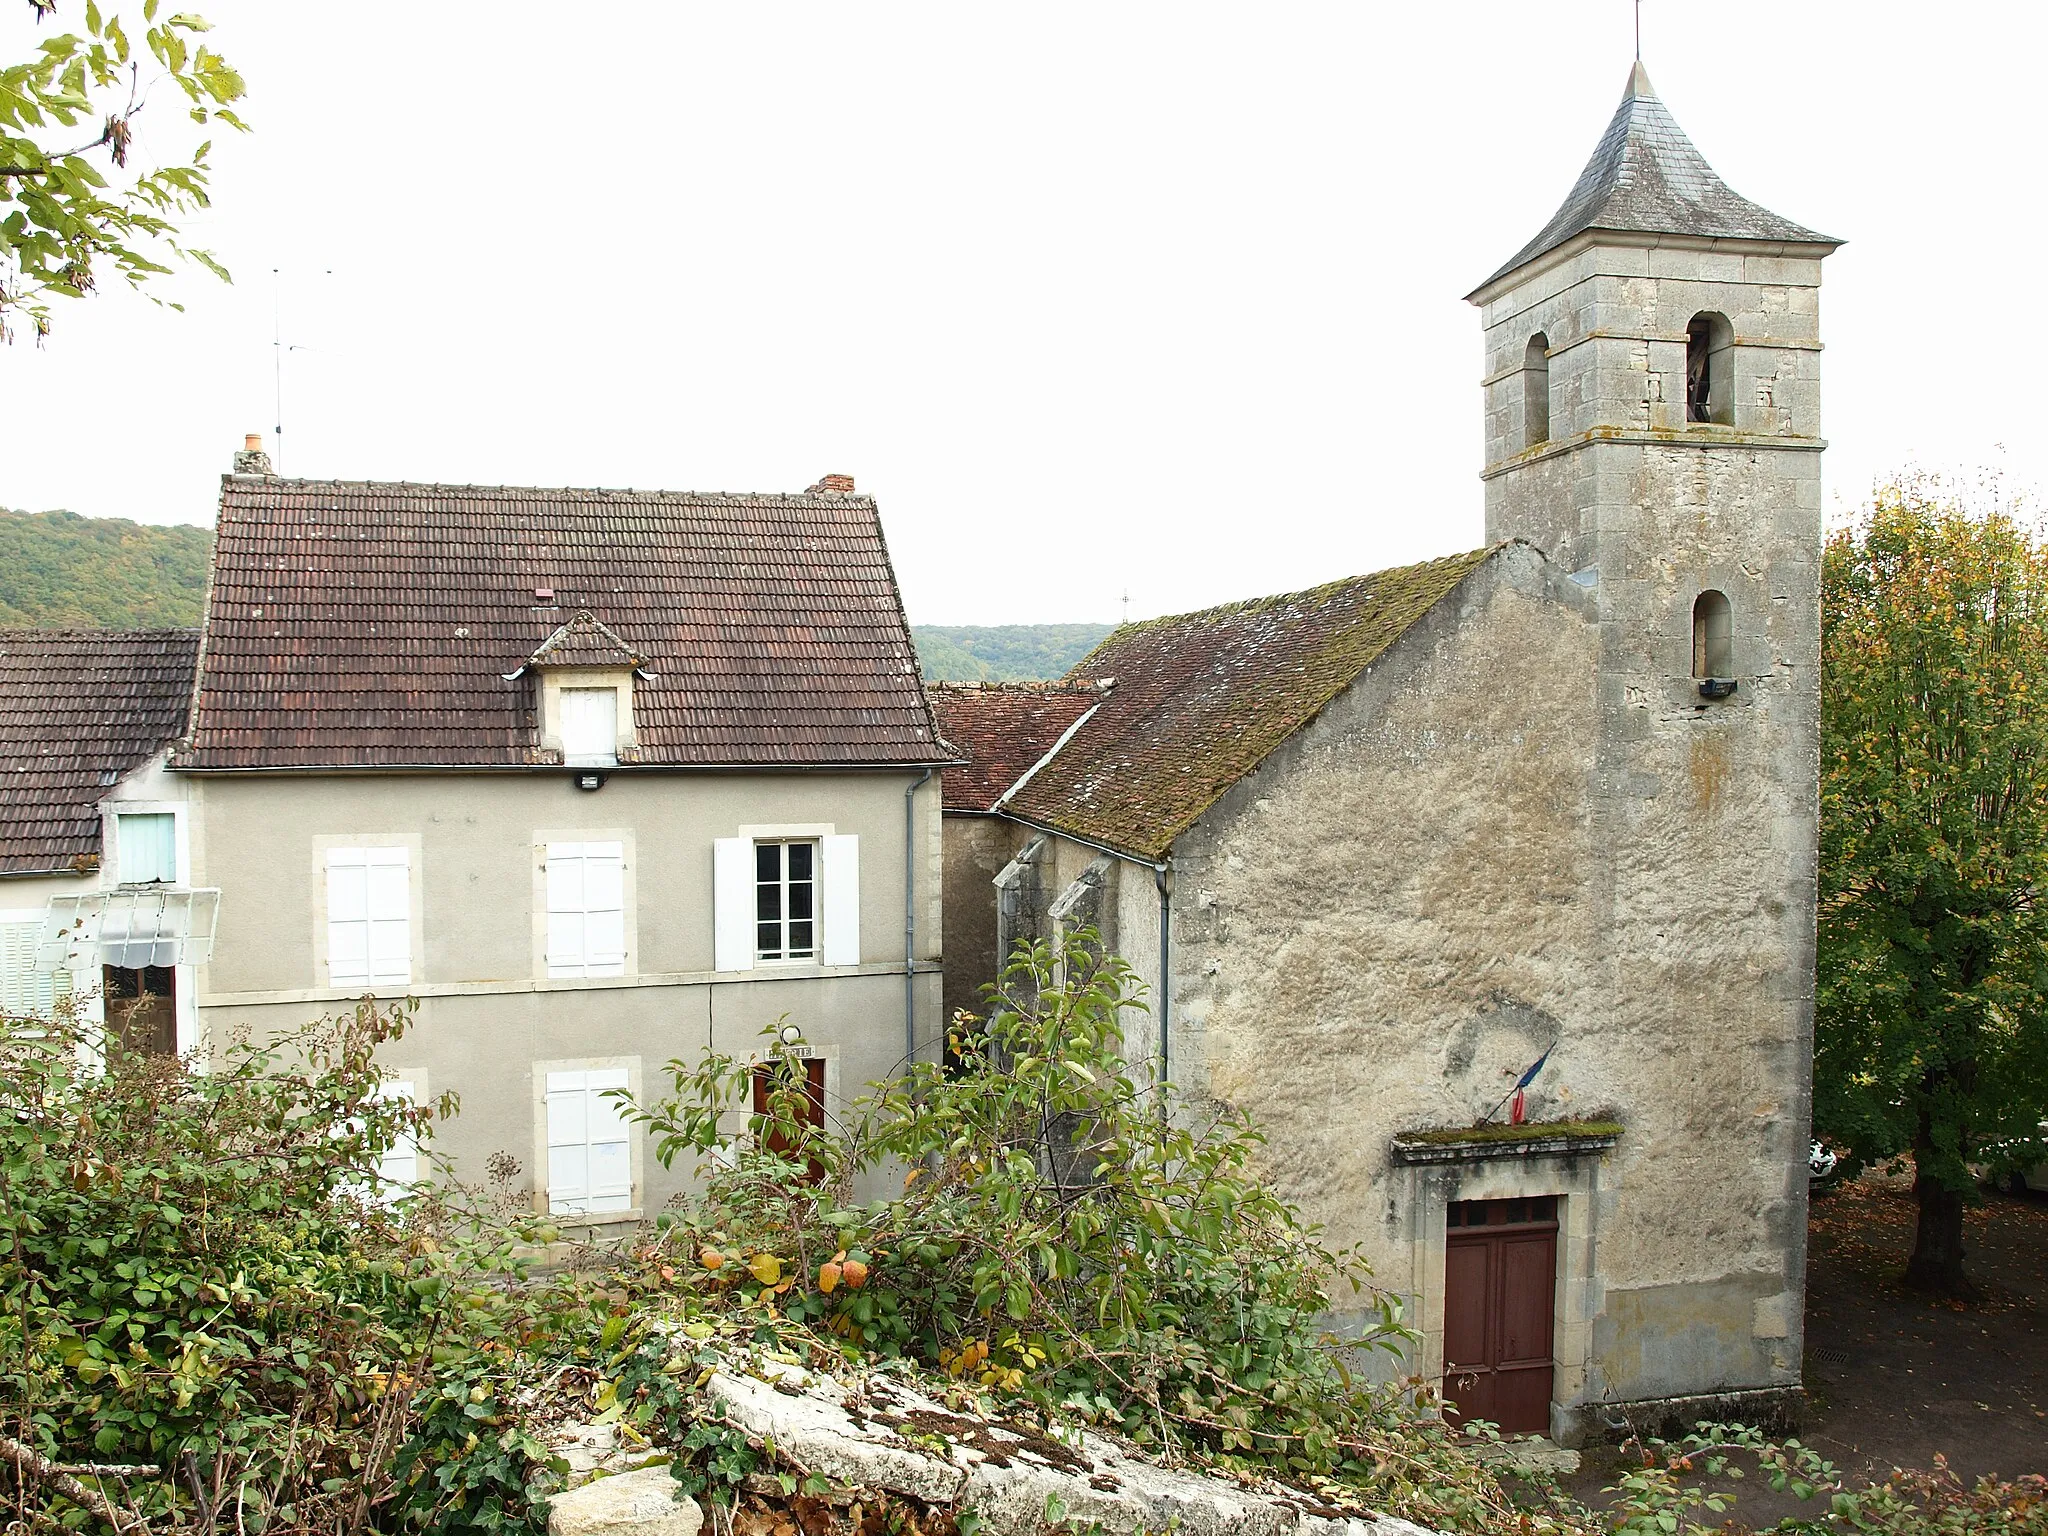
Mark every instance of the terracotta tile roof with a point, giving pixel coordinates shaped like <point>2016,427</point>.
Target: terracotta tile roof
<point>79,708</point>
<point>1199,699</point>
<point>584,642</point>
<point>1001,729</point>
<point>355,624</point>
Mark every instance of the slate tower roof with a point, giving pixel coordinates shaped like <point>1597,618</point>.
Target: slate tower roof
<point>1645,177</point>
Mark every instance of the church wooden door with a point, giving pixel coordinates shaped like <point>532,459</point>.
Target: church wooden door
<point>1500,1279</point>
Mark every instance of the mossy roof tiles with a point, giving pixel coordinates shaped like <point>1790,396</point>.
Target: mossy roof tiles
<point>1001,729</point>
<point>79,709</point>
<point>1200,699</point>
<point>367,625</point>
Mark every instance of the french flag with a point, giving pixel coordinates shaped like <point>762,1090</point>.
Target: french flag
<point>1518,1114</point>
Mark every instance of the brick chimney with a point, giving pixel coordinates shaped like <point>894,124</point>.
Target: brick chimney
<point>832,485</point>
<point>252,460</point>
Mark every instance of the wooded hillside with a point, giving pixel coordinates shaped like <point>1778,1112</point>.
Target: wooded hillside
<point>62,571</point>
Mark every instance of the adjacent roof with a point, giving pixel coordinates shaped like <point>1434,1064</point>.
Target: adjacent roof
<point>364,625</point>
<point>1201,698</point>
<point>1001,729</point>
<point>584,642</point>
<point>79,709</point>
<point>1645,177</point>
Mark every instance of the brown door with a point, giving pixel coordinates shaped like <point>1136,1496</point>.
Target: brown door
<point>1500,1281</point>
<point>141,1008</point>
<point>814,1108</point>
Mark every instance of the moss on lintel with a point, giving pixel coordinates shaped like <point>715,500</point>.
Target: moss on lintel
<point>1546,1131</point>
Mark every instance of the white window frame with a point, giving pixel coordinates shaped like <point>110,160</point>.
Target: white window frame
<point>336,853</point>
<point>783,951</point>
<point>559,1082</point>
<point>110,836</point>
<point>836,907</point>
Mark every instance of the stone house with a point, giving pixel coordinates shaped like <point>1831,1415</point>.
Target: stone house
<point>97,900</point>
<point>1380,848</point>
<point>600,778</point>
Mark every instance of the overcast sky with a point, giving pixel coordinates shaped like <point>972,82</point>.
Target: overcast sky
<point>1095,297</point>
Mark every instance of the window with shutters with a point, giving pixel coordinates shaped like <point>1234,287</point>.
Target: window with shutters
<point>590,1154</point>
<point>590,727</point>
<point>146,847</point>
<point>369,917</point>
<point>786,900</point>
<point>786,895</point>
<point>586,909</point>
<point>26,992</point>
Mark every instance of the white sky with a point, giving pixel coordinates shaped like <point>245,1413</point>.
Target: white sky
<point>1093,296</point>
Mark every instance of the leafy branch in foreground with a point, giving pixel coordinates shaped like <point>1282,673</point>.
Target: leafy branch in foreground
<point>70,203</point>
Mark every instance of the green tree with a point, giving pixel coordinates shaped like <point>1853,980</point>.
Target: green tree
<point>1932,1020</point>
<point>71,205</point>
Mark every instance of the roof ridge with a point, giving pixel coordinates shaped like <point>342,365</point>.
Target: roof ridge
<point>1321,589</point>
<point>804,498</point>
<point>101,632</point>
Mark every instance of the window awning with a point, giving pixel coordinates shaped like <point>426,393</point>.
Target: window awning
<point>130,926</point>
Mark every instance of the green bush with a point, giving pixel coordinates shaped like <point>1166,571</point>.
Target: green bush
<point>199,1274</point>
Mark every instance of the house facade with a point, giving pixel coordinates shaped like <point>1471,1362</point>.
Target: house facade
<point>91,821</point>
<point>598,778</point>
<point>1541,817</point>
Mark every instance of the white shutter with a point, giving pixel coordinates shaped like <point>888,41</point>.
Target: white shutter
<point>400,1166</point>
<point>24,991</point>
<point>732,904</point>
<point>590,1154</point>
<point>611,1147</point>
<point>841,906</point>
<point>590,726</point>
<point>146,847</point>
<point>369,917</point>
<point>586,909</point>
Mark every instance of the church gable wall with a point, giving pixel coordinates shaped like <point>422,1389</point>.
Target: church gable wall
<point>1403,906</point>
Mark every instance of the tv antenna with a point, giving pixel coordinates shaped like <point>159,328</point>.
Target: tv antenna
<point>278,350</point>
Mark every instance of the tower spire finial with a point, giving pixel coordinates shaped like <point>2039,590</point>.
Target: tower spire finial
<point>1639,31</point>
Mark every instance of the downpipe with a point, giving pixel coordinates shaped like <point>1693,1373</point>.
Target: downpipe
<point>910,918</point>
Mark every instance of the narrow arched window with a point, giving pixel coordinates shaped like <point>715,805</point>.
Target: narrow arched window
<point>1536,391</point>
<point>1713,636</point>
<point>1710,369</point>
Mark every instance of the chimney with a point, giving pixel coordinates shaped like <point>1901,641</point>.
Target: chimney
<point>252,460</point>
<point>832,485</point>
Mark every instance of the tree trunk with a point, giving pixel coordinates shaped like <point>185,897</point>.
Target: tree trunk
<point>1937,1262</point>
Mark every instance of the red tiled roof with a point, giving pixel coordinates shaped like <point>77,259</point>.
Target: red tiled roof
<point>362,625</point>
<point>79,708</point>
<point>1201,698</point>
<point>1001,729</point>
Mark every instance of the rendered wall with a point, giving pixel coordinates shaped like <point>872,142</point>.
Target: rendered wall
<point>487,1013</point>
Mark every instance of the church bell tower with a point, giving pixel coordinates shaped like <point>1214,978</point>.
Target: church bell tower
<point>1652,424</point>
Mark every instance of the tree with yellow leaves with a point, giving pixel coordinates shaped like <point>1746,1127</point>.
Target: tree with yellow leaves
<point>1931,1040</point>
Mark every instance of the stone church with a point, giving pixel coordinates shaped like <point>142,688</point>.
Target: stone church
<point>1380,847</point>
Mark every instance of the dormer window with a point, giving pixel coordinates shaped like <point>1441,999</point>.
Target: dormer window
<point>585,676</point>
<point>590,727</point>
<point>146,848</point>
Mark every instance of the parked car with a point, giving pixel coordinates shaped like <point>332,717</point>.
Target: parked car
<point>1821,1163</point>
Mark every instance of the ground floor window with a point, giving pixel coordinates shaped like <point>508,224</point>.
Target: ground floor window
<point>590,1157</point>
